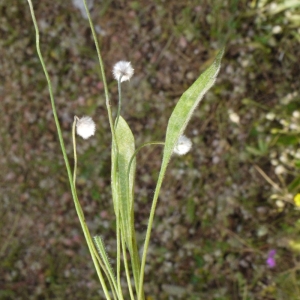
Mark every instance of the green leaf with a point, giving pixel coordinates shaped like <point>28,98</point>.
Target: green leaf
<point>176,126</point>
<point>185,108</point>
<point>122,183</point>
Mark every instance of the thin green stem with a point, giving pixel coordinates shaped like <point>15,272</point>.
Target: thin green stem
<point>108,271</point>
<point>109,113</point>
<point>119,102</point>
<point>114,142</point>
<point>111,124</point>
<point>115,295</point>
<point>147,238</point>
<point>149,228</point>
<point>126,267</point>
<point>109,276</point>
<point>118,254</point>
<point>75,152</point>
<point>134,254</point>
<point>102,70</point>
<point>73,190</point>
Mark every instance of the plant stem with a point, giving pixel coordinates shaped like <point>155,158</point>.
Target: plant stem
<point>78,208</point>
<point>102,71</point>
<point>147,238</point>
<point>148,233</point>
<point>114,141</point>
<point>118,253</point>
<point>119,102</point>
<point>110,278</point>
<point>75,152</point>
<point>126,267</point>
<point>134,253</point>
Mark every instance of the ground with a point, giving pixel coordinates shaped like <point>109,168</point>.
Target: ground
<point>223,207</point>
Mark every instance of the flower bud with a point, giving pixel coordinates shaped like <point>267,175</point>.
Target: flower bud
<point>123,69</point>
<point>183,146</point>
<point>85,127</point>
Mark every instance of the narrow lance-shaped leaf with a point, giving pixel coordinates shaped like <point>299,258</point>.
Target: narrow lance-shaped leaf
<point>126,148</point>
<point>186,105</point>
<point>176,126</point>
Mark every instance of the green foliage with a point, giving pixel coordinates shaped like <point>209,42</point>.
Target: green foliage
<point>123,186</point>
<point>176,126</point>
<point>185,107</point>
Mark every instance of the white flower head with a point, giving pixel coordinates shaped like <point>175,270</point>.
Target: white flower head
<point>183,146</point>
<point>279,170</point>
<point>234,117</point>
<point>124,69</point>
<point>85,127</point>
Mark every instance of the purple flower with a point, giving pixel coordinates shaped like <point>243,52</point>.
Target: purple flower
<point>271,259</point>
<point>272,252</point>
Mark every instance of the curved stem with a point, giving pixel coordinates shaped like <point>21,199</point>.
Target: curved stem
<point>110,278</point>
<point>73,190</point>
<point>102,71</point>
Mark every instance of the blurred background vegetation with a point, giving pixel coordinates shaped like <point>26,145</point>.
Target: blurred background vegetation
<point>223,206</point>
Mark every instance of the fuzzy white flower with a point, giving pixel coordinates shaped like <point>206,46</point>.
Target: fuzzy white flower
<point>279,170</point>
<point>296,114</point>
<point>183,146</point>
<point>270,116</point>
<point>85,127</point>
<point>234,117</point>
<point>276,29</point>
<point>280,203</point>
<point>124,69</point>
